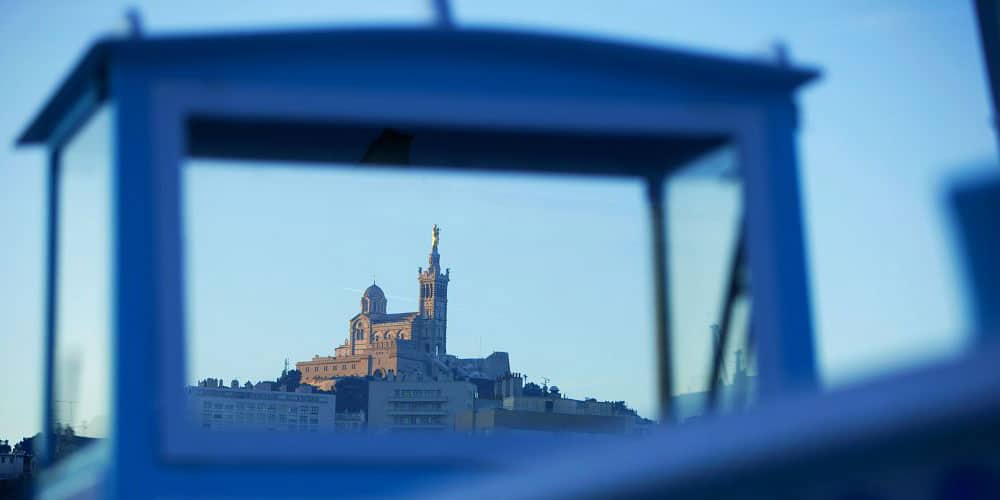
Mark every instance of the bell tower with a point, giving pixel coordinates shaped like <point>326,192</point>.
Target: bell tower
<point>434,299</point>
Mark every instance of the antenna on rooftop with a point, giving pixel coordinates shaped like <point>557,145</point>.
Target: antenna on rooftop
<point>70,403</point>
<point>716,340</point>
<point>133,23</point>
<point>779,53</point>
<point>442,14</point>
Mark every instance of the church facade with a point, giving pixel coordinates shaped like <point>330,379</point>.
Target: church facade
<point>384,344</point>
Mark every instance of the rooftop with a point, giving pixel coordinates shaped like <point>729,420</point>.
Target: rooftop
<point>89,78</point>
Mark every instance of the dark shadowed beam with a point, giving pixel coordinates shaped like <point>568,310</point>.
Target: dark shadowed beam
<point>664,354</point>
<point>988,17</point>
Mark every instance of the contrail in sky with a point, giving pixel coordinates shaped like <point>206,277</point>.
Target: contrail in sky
<point>397,297</point>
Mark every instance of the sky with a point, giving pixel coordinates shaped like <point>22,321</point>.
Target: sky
<point>900,111</point>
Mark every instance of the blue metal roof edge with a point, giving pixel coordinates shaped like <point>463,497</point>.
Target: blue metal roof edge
<point>90,73</point>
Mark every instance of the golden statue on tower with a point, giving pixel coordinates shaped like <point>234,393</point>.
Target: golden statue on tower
<point>435,237</point>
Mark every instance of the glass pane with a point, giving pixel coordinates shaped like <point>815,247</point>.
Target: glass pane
<point>703,204</point>
<point>416,301</point>
<point>81,376</point>
<point>880,143</point>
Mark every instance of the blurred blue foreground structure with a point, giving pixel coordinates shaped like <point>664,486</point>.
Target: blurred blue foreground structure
<point>493,102</point>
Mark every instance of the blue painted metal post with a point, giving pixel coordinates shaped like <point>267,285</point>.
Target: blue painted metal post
<point>976,205</point>
<point>134,444</point>
<point>661,268</point>
<point>51,283</point>
<point>779,282</point>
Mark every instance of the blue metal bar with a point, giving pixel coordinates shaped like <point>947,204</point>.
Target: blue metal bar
<point>51,284</point>
<point>664,365</point>
<point>988,17</point>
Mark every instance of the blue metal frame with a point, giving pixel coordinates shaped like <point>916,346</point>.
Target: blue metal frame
<point>442,81</point>
<point>174,104</point>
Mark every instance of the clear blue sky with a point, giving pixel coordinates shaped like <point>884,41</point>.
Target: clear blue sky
<point>901,109</point>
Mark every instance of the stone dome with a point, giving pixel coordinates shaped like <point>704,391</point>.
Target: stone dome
<point>373,301</point>
<point>374,292</point>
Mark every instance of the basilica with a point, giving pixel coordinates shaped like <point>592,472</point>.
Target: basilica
<point>412,344</point>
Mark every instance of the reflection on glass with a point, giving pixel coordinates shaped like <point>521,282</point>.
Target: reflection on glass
<point>703,217</point>
<point>345,300</point>
<point>82,349</point>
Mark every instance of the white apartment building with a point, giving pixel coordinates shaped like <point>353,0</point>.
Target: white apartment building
<point>632,423</point>
<point>258,408</point>
<point>417,405</point>
<point>351,421</point>
<point>564,406</point>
